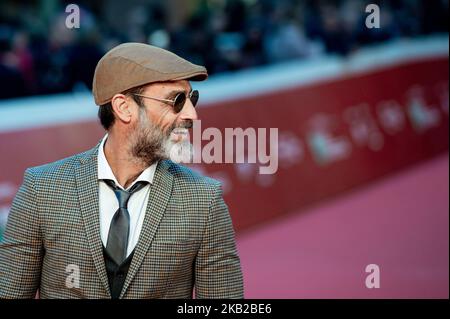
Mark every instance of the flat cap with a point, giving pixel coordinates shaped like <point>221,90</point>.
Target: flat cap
<point>129,65</point>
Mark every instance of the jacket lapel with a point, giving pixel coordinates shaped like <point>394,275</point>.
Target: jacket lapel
<point>160,193</point>
<point>87,187</point>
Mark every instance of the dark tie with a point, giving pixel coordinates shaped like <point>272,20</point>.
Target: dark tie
<point>117,243</point>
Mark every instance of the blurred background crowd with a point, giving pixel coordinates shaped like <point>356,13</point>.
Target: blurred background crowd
<point>40,55</point>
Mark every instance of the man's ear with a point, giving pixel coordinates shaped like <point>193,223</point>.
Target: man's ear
<point>122,108</point>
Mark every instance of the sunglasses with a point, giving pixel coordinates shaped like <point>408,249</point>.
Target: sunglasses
<point>178,102</point>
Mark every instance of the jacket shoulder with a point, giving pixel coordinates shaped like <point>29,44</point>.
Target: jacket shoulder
<point>60,167</point>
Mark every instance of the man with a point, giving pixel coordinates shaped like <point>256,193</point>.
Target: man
<point>121,220</point>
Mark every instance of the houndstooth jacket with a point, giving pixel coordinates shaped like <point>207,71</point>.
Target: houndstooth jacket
<point>52,239</point>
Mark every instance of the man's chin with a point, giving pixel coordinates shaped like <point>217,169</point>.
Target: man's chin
<point>181,152</point>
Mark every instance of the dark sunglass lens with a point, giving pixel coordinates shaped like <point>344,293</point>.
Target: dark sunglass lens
<point>179,102</point>
<point>194,97</point>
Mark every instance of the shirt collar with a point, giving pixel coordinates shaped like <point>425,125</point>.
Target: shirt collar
<point>105,171</point>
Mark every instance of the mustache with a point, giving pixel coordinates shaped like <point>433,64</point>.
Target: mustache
<point>184,124</point>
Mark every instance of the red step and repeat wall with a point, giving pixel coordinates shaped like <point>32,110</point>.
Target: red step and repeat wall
<point>334,135</point>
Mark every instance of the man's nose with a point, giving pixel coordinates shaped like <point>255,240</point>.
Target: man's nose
<point>188,112</point>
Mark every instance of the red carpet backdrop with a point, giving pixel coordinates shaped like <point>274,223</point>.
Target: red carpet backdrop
<point>354,123</point>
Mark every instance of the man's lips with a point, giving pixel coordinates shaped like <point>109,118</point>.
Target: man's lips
<point>179,135</point>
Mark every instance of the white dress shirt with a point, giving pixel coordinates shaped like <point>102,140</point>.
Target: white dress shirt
<point>109,204</point>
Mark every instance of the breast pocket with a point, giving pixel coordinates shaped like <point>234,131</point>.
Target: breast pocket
<point>180,251</point>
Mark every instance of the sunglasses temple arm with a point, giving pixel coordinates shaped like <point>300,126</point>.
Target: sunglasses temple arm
<point>154,98</point>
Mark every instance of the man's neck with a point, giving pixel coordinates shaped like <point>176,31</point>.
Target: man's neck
<point>122,164</point>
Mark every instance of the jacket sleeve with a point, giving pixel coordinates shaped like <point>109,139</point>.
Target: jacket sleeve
<point>217,268</point>
<point>21,250</point>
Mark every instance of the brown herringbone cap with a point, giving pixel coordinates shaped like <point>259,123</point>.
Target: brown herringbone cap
<point>134,64</point>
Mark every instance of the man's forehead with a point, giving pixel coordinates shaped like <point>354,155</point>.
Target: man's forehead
<point>181,85</point>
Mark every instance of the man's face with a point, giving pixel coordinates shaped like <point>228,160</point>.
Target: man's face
<point>158,131</point>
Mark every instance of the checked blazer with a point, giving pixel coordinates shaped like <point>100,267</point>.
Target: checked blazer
<point>53,234</point>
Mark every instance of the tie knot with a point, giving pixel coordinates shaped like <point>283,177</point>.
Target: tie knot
<point>123,196</point>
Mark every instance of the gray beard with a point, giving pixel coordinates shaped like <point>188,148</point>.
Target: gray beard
<point>149,144</point>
